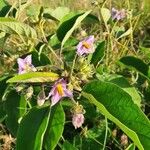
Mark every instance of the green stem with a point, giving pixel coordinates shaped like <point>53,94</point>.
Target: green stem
<point>73,64</point>
<point>106,131</point>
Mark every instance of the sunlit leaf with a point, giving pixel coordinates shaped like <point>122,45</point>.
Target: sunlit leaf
<point>60,12</point>
<point>105,14</point>
<point>34,77</point>
<point>128,32</point>
<point>11,26</point>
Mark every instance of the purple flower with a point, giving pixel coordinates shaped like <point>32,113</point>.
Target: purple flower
<point>58,91</point>
<point>86,46</point>
<point>25,65</point>
<point>77,120</point>
<point>118,15</point>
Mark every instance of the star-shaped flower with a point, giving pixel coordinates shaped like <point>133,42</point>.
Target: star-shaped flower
<point>86,46</point>
<point>58,91</point>
<point>25,65</point>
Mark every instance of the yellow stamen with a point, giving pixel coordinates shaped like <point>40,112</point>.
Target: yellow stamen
<point>27,67</point>
<point>86,45</point>
<point>60,89</point>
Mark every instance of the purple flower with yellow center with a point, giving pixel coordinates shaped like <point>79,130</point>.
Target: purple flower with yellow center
<point>25,65</point>
<point>86,46</point>
<point>118,15</point>
<point>58,91</point>
<point>77,120</point>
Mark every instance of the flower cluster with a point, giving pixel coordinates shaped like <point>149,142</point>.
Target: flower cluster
<point>60,87</point>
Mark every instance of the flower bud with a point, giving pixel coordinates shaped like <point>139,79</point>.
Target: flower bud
<point>78,117</point>
<point>29,92</point>
<point>124,140</point>
<point>41,98</point>
<point>19,88</point>
<point>77,120</point>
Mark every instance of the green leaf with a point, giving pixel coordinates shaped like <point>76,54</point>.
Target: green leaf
<point>66,24</point>
<point>60,12</point>
<point>33,11</point>
<point>124,84</point>
<point>99,53</point>
<point>68,146</point>
<point>105,14</point>
<point>34,77</point>
<point>39,59</point>
<point>55,127</point>
<point>32,129</point>
<point>15,107</point>
<point>11,26</point>
<point>119,107</point>
<point>128,32</point>
<point>76,24</point>
<point>136,64</point>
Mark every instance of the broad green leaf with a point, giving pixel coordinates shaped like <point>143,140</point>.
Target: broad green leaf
<point>119,107</point>
<point>99,53</point>
<point>55,127</point>
<point>128,32</point>
<point>76,24</point>
<point>60,12</point>
<point>34,77</point>
<point>68,146</point>
<point>39,59</point>
<point>15,107</point>
<point>124,84</point>
<point>137,64</point>
<point>32,129</point>
<point>106,14</point>
<point>66,24</point>
<point>11,26</point>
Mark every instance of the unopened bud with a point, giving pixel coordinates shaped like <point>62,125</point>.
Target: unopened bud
<point>29,92</point>
<point>41,98</point>
<point>20,88</point>
<point>77,120</point>
<point>124,140</point>
<point>114,133</point>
